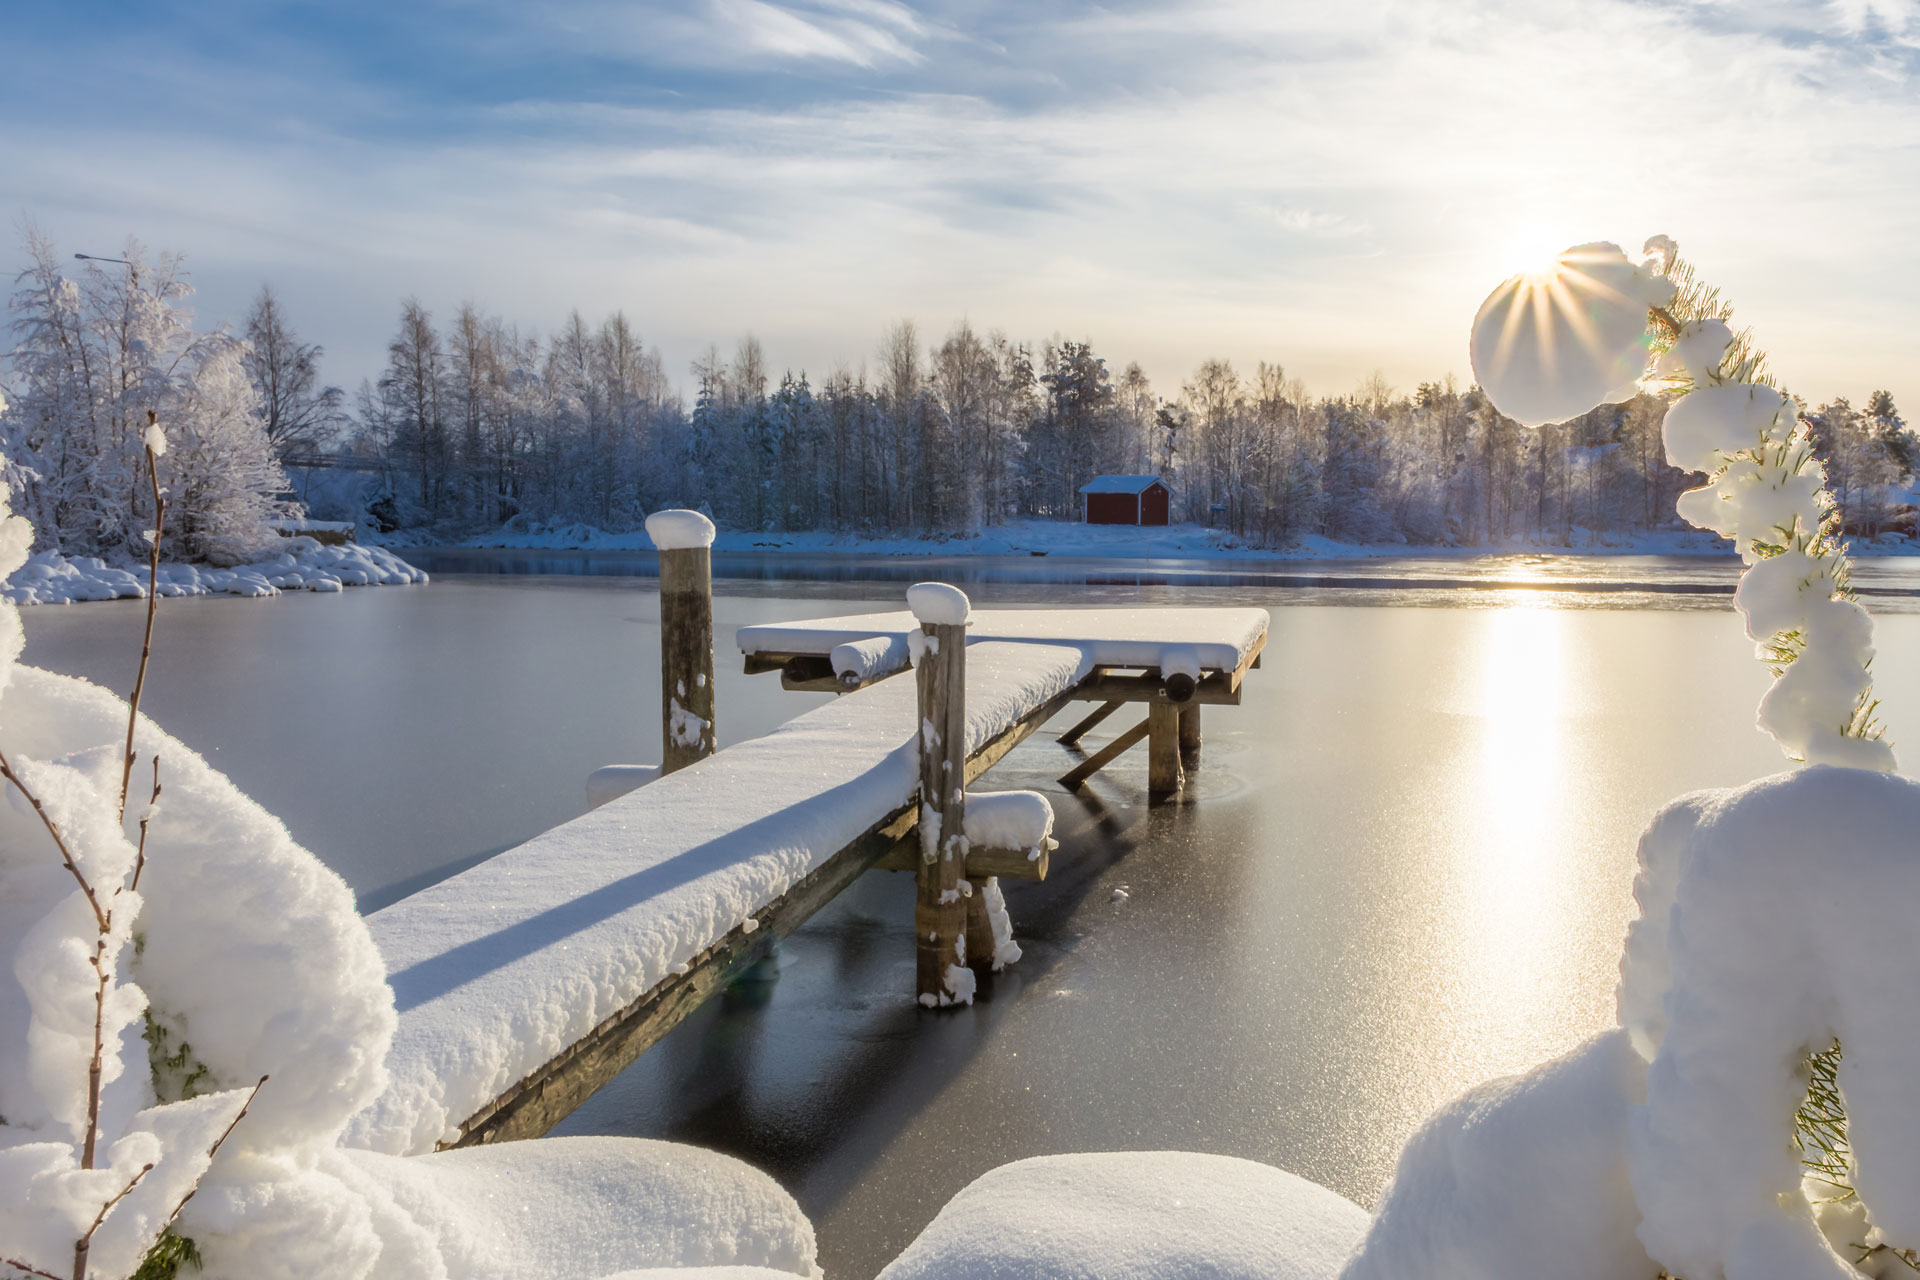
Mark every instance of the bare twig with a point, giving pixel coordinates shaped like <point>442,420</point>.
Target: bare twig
<point>153,602</point>
<point>99,1048</point>
<point>24,1269</point>
<point>60,841</point>
<point>140,857</point>
<point>212,1151</point>
<point>85,1242</point>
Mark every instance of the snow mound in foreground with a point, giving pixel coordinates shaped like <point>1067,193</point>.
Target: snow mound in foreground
<point>1516,1171</point>
<point>253,961</point>
<point>250,960</point>
<point>584,1206</point>
<point>52,578</point>
<point>1150,1215</point>
<point>1774,919</point>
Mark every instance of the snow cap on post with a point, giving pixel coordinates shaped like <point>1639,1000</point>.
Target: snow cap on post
<point>937,604</point>
<point>679,530</point>
<point>155,440</point>
<point>1550,345</point>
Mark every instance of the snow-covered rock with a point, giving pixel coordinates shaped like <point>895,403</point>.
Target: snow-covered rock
<point>305,565</point>
<point>1149,1215</point>
<point>582,1206</point>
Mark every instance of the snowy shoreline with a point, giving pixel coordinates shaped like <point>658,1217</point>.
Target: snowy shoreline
<point>50,577</point>
<point>1065,538</point>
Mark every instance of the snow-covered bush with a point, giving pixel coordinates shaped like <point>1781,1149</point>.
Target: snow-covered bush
<point>1720,1129</point>
<point>191,1008</point>
<point>158,966</point>
<point>94,356</point>
<point>1553,346</point>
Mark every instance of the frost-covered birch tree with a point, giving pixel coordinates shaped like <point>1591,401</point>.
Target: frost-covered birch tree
<point>95,353</point>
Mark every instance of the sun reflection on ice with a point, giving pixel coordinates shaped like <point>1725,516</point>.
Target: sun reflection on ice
<point>1515,874</point>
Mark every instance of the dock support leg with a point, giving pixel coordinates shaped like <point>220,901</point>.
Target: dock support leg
<point>979,926</point>
<point>1164,775</point>
<point>1080,730</point>
<point>940,912</point>
<point>1190,732</point>
<point>686,656</point>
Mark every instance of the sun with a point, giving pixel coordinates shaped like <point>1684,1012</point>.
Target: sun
<point>1533,251</point>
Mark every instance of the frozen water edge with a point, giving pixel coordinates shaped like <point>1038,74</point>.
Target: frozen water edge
<point>305,565</point>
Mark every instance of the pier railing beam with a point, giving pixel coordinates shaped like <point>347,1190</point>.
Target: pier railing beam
<point>685,540</point>
<point>940,909</point>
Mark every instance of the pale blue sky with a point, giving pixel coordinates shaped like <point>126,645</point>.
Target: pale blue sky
<point>1334,186</point>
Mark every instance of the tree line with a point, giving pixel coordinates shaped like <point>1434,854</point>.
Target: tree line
<point>475,424</point>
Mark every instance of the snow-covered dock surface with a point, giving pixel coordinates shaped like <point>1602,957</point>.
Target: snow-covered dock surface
<point>1220,639</point>
<point>498,970</point>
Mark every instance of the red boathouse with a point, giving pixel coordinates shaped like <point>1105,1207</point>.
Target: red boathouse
<point>1126,500</point>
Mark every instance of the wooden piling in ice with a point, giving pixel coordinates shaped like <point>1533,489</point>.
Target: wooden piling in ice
<point>940,910</point>
<point>685,541</point>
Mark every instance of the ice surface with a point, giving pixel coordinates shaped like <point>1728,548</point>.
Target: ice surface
<point>1008,820</point>
<point>937,604</point>
<point>1546,349</point>
<point>1149,1215</point>
<point>1219,638</point>
<point>679,530</point>
<point>499,968</point>
<point>1515,1171</point>
<point>581,1206</point>
<point>52,578</point>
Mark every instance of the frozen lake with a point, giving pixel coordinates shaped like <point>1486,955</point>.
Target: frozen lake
<point>1408,866</point>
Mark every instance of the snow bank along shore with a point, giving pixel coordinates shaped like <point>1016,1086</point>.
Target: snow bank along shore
<point>304,565</point>
<point>1067,538</point>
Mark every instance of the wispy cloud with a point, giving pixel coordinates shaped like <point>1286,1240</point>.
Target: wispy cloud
<point>1334,187</point>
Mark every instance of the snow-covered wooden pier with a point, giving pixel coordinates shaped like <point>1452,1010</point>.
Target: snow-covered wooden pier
<point>526,983</point>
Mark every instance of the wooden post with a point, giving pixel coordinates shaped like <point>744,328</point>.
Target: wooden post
<point>1190,731</point>
<point>979,928</point>
<point>685,540</point>
<point>1164,775</point>
<point>940,912</point>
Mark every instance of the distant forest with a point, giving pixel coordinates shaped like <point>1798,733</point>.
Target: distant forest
<point>475,425</point>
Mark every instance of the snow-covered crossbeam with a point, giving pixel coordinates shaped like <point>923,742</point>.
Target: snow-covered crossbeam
<point>504,970</point>
<point>1214,639</point>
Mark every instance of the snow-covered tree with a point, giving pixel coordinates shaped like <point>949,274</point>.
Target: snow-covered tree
<point>95,356</point>
<point>298,415</point>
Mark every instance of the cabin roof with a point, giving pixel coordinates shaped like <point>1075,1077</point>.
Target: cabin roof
<point>1120,484</point>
